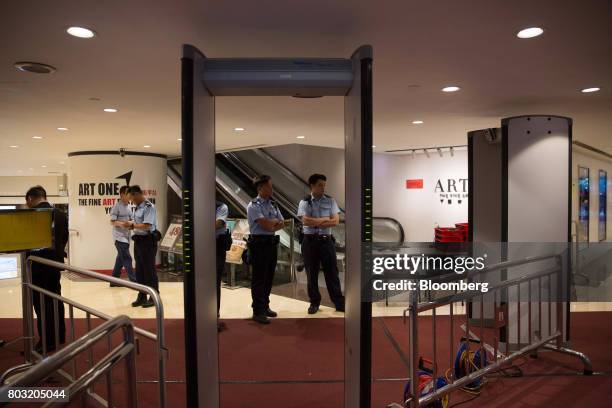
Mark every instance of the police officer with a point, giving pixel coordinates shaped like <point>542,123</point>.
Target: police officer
<point>264,220</point>
<point>223,240</point>
<point>120,216</point>
<point>319,213</point>
<point>144,226</point>
<point>48,277</point>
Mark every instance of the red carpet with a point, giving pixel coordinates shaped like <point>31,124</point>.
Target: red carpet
<point>299,363</point>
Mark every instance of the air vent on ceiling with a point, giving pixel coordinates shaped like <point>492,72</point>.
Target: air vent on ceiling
<point>34,67</point>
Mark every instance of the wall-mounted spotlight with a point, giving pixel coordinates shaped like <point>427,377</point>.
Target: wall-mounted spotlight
<point>439,151</point>
<point>426,153</point>
<point>452,151</point>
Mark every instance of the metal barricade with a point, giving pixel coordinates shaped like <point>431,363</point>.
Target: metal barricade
<point>124,351</point>
<point>553,340</point>
<point>28,289</point>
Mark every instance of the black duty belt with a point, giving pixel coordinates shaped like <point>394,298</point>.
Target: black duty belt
<point>319,236</point>
<point>264,238</point>
<point>141,237</point>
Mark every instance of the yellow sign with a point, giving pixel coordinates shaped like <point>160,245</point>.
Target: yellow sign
<point>22,230</point>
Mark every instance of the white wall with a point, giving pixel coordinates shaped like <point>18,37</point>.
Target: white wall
<point>13,188</point>
<point>417,210</point>
<point>305,160</point>
<point>595,162</point>
<point>420,210</point>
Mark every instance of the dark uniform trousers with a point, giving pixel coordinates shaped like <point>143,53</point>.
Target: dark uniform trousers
<point>320,251</point>
<point>263,251</point>
<point>48,278</point>
<point>220,265</point>
<point>145,249</point>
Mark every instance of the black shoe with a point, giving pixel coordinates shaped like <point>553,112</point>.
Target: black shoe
<point>114,285</point>
<point>313,309</point>
<point>148,303</point>
<point>139,301</point>
<point>271,313</point>
<point>340,308</point>
<point>261,319</point>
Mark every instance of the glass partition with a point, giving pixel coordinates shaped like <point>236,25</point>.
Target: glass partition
<point>603,205</point>
<point>583,204</point>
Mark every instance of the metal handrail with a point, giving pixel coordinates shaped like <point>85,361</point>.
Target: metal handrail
<point>51,364</point>
<point>552,340</point>
<point>159,337</point>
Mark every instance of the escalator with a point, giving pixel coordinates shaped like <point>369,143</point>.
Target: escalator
<point>235,172</point>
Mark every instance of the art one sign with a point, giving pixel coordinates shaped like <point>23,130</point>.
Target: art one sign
<point>106,194</point>
<point>94,182</point>
<point>452,190</point>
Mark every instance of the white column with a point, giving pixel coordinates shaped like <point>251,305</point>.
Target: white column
<point>94,180</point>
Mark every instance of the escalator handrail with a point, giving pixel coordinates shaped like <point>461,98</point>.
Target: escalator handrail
<point>248,172</point>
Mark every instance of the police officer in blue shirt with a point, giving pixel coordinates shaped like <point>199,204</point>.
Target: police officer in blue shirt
<point>120,216</point>
<point>319,213</point>
<point>264,220</point>
<point>144,228</point>
<point>223,240</point>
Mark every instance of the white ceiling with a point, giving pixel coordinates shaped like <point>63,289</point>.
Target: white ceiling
<point>419,47</point>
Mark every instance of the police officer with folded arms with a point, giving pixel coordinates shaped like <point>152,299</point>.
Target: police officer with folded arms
<point>144,226</point>
<point>264,219</point>
<point>320,213</point>
<point>223,243</point>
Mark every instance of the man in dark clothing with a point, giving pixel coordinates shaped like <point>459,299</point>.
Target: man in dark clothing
<point>48,277</point>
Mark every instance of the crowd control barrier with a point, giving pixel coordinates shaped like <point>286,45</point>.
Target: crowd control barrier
<point>482,358</point>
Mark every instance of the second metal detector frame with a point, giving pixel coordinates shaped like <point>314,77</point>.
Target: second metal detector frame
<point>203,79</point>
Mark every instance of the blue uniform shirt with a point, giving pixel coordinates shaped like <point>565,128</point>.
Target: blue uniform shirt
<point>323,207</point>
<point>221,212</point>
<point>259,208</point>
<point>145,213</point>
<point>121,212</point>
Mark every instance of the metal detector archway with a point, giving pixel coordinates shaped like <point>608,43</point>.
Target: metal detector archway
<point>203,79</point>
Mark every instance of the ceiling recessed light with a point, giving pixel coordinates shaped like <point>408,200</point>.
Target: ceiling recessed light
<point>179,139</point>
<point>13,146</point>
<point>417,122</point>
<point>111,110</point>
<point>451,88</point>
<point>62,129</point>
<point>300,137</point>
<point>590,90</point>
<point>37,137</point>
<point>34,67</point>
<point>80,32</point>
<point>238,129</point>
<point>373,146</point>
<point>530,32</point>
<point>44,166</point>
<point>147,146</point>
